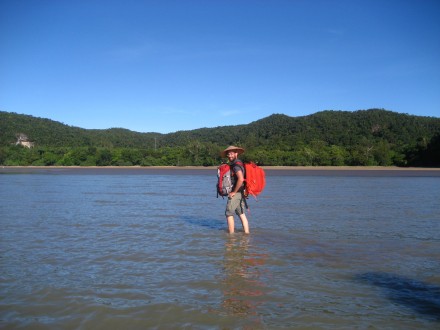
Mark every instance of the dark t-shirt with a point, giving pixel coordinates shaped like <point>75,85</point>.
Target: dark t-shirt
<point>235,168</point>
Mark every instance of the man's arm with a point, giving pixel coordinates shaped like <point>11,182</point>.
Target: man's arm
<point>238,183</point>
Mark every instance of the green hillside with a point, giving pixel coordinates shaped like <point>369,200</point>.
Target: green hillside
<point>364,137</point>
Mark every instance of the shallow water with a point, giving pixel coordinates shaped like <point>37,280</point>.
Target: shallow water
<point>90,250</point>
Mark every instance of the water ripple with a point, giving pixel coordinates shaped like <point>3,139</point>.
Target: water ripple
<point>132,251</point>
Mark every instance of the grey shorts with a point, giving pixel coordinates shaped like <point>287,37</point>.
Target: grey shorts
<point>235,205</point>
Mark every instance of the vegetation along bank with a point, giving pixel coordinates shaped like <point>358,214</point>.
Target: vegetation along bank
<point>374,137</point>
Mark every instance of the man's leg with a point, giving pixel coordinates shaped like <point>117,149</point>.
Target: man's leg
<point>230,220</point>
<point>245,223</point>
<point>232,208</point>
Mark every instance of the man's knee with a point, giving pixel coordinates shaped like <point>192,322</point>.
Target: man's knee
<point>229,213</point>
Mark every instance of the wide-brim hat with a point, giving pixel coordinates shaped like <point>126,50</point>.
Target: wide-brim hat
<point>231,148</point>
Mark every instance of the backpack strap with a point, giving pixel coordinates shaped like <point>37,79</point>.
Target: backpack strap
<point>239,163</point>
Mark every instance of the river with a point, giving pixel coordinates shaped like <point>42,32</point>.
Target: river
<point>148,249</point>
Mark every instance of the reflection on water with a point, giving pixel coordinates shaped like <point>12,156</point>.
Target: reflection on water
<point>242,287</point>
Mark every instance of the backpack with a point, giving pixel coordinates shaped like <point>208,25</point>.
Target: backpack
<point>255,179</point>
<point>225,183</point>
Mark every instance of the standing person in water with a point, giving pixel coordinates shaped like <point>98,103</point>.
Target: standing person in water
<point>236,200</point>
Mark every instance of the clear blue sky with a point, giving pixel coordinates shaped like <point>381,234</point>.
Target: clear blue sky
<point>164,66</point>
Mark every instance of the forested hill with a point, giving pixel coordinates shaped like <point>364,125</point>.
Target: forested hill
<point>364,137</point>
<point>48,133</point>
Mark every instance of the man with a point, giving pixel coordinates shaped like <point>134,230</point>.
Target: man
<point>236,200</point>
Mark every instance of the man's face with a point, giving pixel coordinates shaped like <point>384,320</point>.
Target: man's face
<point>232,155</point>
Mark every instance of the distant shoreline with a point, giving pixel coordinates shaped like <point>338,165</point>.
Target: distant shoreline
<point>333,171</point>
<point>282,168</point>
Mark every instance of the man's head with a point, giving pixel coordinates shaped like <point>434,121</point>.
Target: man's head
<point>232,152</point>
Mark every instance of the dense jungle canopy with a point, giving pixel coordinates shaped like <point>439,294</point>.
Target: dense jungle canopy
<point>328,138</point>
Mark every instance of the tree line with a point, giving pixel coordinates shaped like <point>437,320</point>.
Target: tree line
<point>373,137</point>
